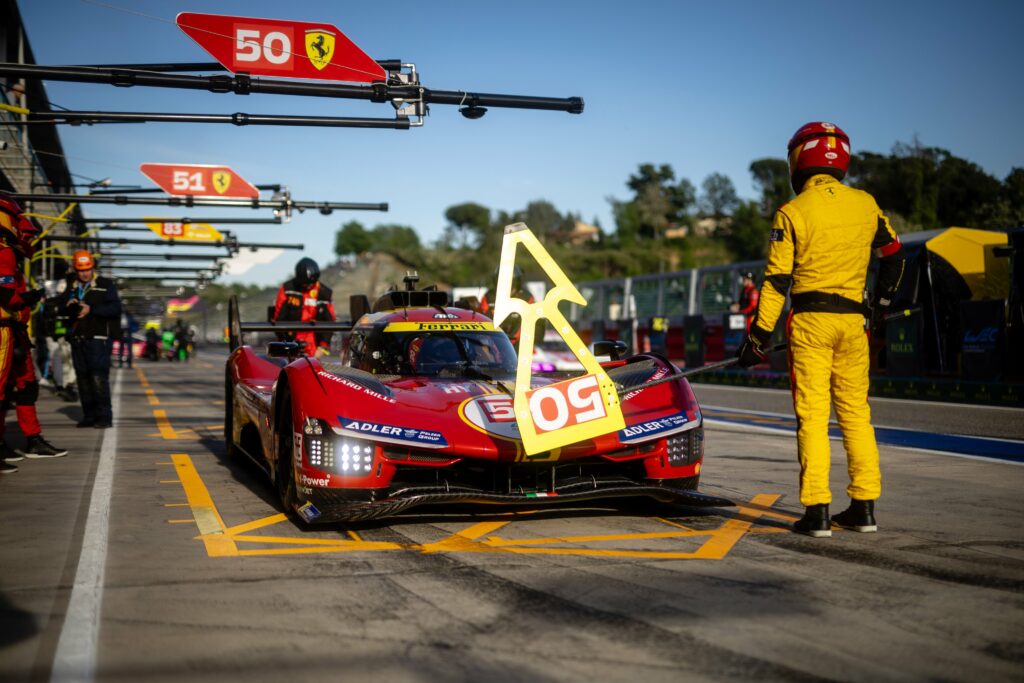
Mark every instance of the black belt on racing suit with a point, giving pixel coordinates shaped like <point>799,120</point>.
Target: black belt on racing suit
<point>824,302</point>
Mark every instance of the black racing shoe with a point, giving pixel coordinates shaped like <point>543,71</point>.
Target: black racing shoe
<point>815,522</point>
<point>7,455</point>
<point>860,516</point>
<point>7,469</point>
<point>38,447</point>
<point>103,425</point>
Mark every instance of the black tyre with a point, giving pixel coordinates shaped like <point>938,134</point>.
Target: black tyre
<point>284,476</point>
<point>229,416</point>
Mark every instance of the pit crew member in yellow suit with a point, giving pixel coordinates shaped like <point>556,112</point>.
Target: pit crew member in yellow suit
<point>819,248</point>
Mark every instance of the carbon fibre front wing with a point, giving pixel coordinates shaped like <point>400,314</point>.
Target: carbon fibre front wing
<point>334,507</point>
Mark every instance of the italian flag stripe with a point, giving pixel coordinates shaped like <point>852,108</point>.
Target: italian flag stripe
<point>541,495</point>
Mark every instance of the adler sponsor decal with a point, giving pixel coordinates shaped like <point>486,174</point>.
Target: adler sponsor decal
<point>660,427</point>
<point>412,435</point>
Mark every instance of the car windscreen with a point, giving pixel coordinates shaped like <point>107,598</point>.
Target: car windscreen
<point>440,354</point>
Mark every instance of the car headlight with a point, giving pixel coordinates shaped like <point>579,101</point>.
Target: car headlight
<point>355,456</point>
<point>685,448</point>
<point>338,455</point>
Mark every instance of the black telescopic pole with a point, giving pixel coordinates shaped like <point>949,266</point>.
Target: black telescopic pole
<point>172,242</point>
<point>237,119</point>
<point>254,203</point>
<point>183,221</point>
<point>146,256</point>
<point>157,190</point>
<point>242,84</point>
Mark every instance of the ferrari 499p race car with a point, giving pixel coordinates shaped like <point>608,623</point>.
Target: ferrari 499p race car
<point>420,412</point>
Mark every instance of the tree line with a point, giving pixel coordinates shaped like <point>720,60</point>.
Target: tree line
<point>668,224</point>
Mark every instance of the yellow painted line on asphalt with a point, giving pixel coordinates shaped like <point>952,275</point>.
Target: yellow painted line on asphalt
<point>719,545</point>
<point>257,524</point>
<point>164,425</point>
<point>464,539</point>
<point>208,519</point>
<point>175,505</point>
<point>151,397</point>
<point>222,541</point>
<point>498,541</point>
<point>181,521</point>
<point>142,378</point>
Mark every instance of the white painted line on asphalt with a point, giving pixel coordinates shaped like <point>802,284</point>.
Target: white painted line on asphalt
<point>779,431</point>
<point>834,423</point>
<point>871,399</point>
<point>75,660</point>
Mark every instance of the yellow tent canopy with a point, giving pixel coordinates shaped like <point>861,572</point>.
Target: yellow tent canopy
<point>973,254</point>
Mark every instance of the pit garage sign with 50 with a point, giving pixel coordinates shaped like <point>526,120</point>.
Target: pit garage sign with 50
<point>281,48</point>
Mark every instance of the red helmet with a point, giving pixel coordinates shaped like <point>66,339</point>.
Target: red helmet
<point>10,215</point>
<point>818,147</point>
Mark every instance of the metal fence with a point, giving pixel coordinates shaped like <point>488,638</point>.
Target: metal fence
<point>704,291</point>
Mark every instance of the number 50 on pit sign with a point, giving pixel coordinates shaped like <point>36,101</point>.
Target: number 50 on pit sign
<point>558,414</point>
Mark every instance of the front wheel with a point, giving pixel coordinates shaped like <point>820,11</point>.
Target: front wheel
<point>284,467</point>
<point>229,415</point>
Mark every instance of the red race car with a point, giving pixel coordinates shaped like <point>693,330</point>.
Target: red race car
<point>419,412</point>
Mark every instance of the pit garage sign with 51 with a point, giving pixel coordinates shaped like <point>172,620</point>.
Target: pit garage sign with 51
<point>281,48</point>
<point>199,180</point>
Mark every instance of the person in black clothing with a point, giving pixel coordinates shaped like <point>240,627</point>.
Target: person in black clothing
<point>94,312</point>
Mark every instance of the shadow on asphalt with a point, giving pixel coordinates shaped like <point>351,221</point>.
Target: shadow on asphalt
<point>15,623</point>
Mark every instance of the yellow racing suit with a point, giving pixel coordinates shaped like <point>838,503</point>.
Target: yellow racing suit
<point>819,248</point>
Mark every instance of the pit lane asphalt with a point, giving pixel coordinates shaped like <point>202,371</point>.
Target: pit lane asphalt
<point>936,594</point>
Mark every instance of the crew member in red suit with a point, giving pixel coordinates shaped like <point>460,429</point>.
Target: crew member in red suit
<point>304,299</point>
<point>18,383</point>
<point>749,298</point>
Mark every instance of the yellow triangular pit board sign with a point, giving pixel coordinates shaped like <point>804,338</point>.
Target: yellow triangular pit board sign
<point>576,409</point>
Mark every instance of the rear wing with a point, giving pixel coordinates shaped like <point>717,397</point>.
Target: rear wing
<point>237,328</point>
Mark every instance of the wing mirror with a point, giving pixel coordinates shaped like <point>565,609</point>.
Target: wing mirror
<point>613,349</point>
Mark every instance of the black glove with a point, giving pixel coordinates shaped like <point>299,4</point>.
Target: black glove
<point>878,314</point>
<point>754,349</point>
<point>31,298</point>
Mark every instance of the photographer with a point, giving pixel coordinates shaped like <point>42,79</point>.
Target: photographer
<point>94,313</point>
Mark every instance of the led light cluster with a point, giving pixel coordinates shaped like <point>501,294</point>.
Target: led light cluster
<point>320,453</point>
<point>685,448</point>
<point>356,456</point>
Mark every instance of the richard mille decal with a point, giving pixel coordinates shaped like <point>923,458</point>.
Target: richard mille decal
<point>355,386</point>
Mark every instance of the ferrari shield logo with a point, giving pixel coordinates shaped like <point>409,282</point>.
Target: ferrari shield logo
<point>221,181</point>
<point>319,47</point>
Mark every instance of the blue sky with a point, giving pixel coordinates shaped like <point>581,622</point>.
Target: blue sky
<point>704,86</point>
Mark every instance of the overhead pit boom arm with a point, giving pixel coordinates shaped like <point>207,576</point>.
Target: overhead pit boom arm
<point>402,90</point>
